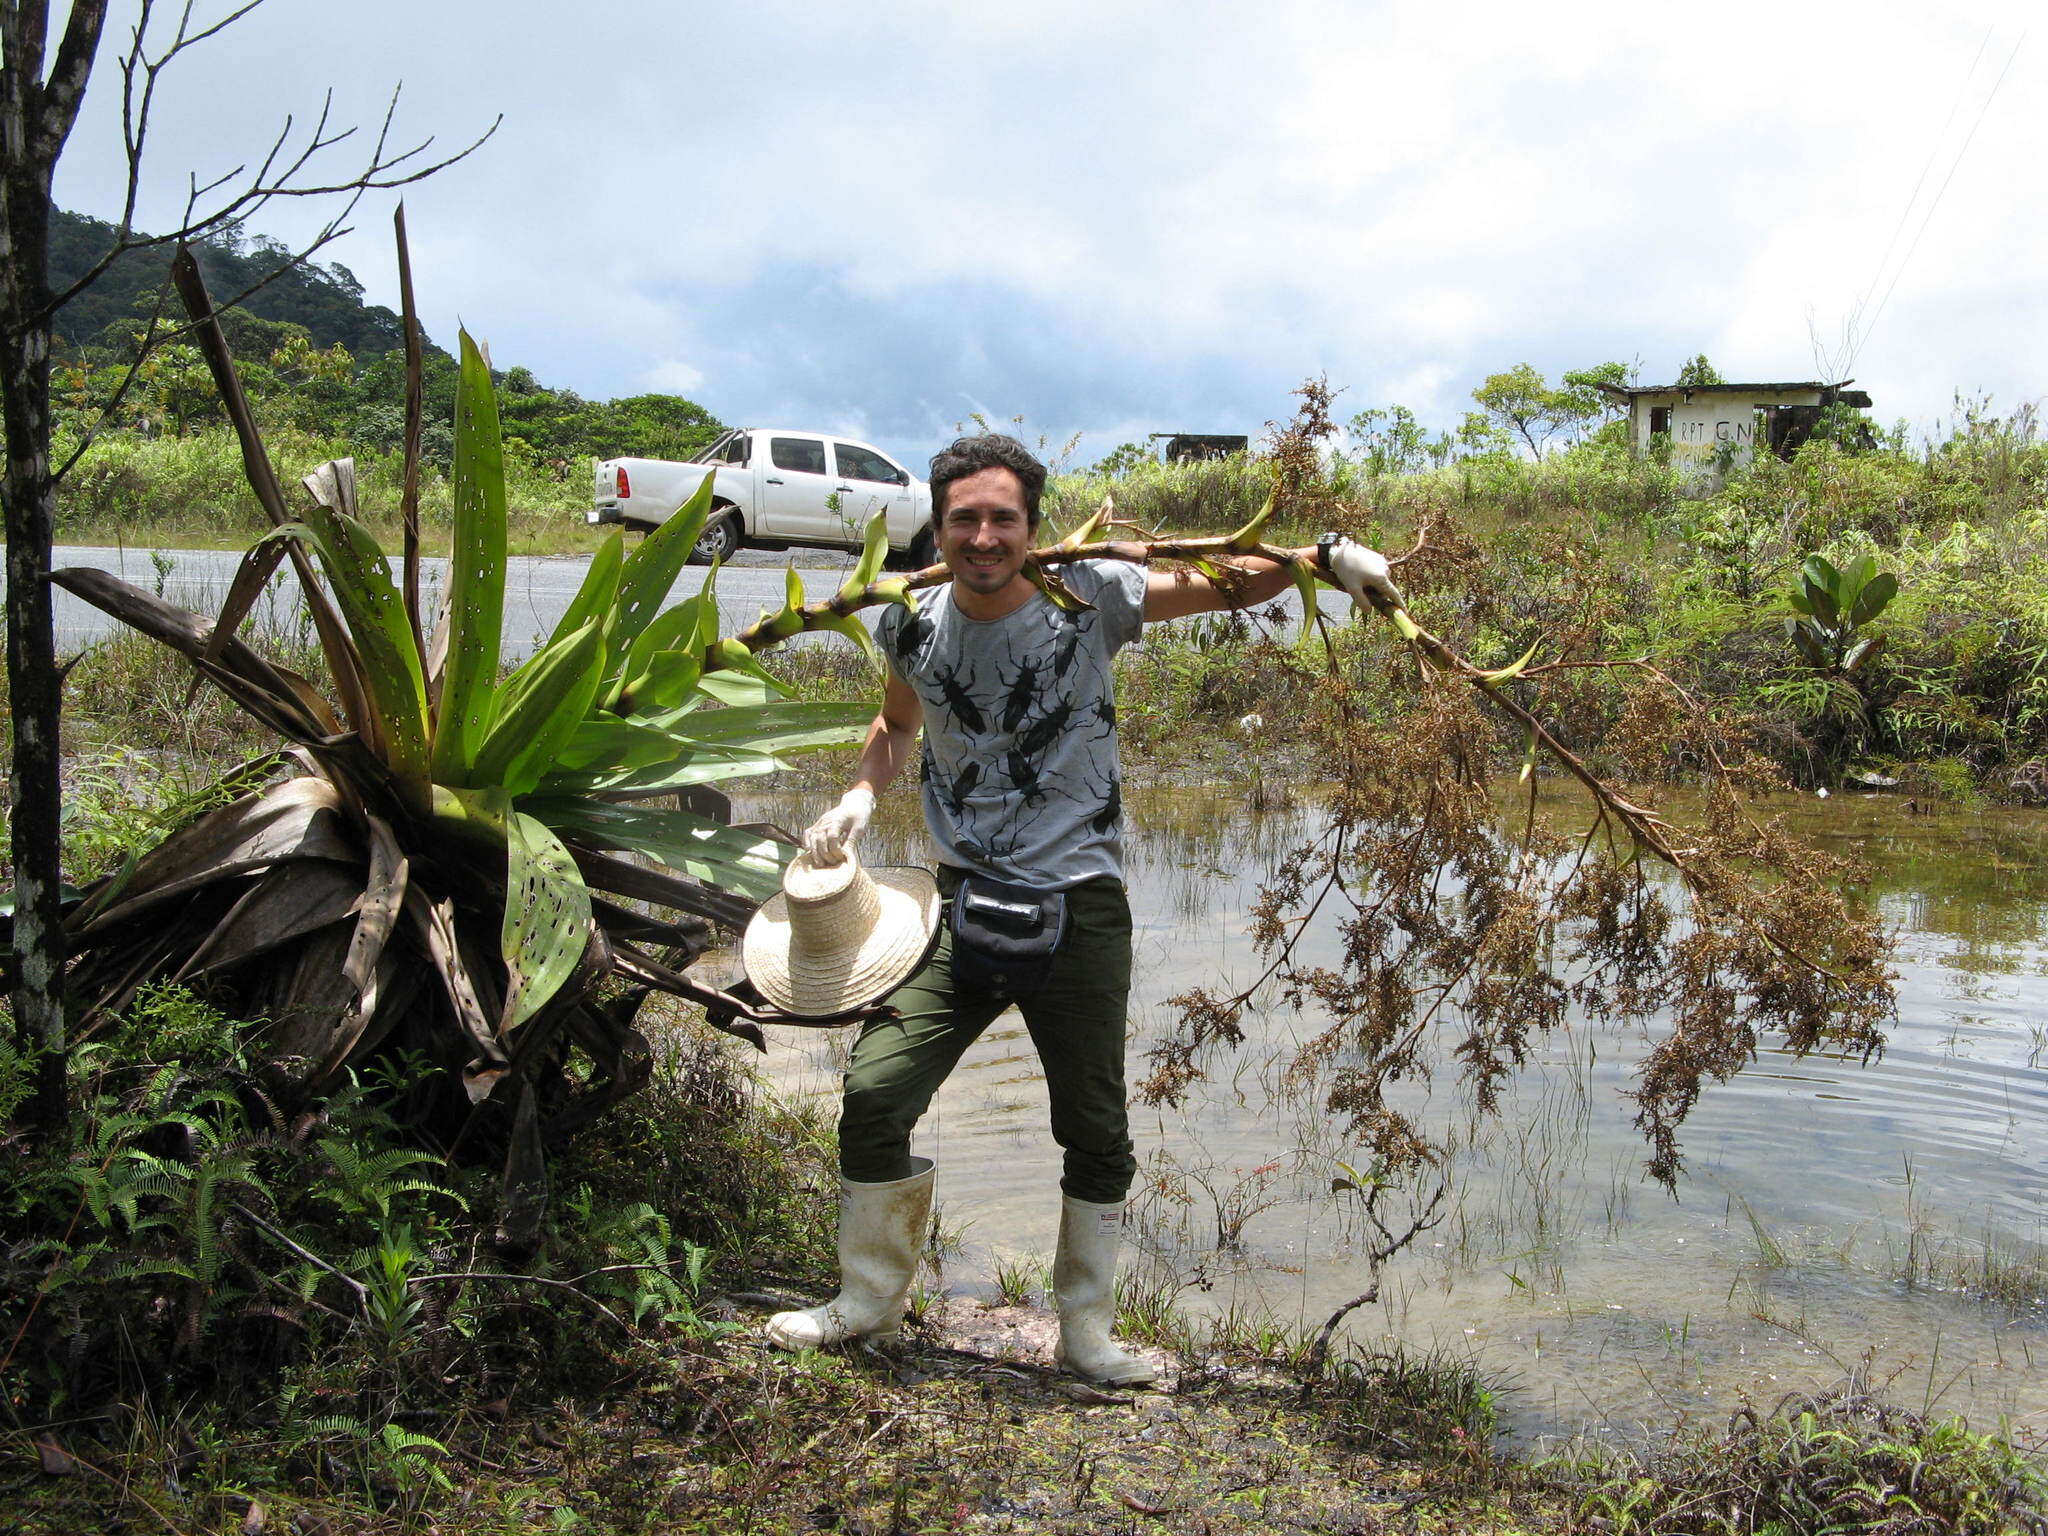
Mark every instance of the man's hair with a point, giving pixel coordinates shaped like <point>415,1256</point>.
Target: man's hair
<point>986,450</point>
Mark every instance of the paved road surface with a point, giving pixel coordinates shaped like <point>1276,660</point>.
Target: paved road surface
<point>536,590</point>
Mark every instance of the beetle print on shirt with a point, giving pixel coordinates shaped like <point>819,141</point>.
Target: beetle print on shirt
<point>1019,764</point>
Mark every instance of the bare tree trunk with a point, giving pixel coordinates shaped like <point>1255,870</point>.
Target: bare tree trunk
<point>28,498</point>
<point>33,696</point>
<point>36,113</point>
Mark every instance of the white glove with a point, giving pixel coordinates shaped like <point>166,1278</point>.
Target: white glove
<point>1358,569</point>
<point>826,839</point>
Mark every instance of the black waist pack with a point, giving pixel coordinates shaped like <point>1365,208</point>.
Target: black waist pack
<point>1005,936</point>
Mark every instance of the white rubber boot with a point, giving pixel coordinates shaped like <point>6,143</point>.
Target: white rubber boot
<point>881,1228</point>
<point>1084,1284</point>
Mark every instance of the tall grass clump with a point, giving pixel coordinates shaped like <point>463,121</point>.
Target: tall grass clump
<point>1600,480</point>
<point>1197,496</point>
<point>1844,1461</point>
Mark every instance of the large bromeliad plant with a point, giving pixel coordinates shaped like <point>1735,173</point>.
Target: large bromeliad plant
<point>450,860</point>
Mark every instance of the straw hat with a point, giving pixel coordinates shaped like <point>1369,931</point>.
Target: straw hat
<point>838,936</point>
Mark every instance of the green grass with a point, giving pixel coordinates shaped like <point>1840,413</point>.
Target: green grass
<point>189,492</point>
<point>1844,1461</point>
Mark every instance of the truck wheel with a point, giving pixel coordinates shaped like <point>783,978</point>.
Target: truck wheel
<point>720,540</point>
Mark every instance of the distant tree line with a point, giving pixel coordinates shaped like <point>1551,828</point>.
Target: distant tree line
<point>317,358</point>
<point>1520,411</point>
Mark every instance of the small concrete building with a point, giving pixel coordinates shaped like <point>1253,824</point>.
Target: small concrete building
<point>1713,428</point>
<point>1185,447</point>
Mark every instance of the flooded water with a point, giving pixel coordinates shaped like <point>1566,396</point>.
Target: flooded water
<point>1833,1215</point>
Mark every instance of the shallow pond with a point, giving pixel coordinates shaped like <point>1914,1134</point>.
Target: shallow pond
<point>1833,1215</point>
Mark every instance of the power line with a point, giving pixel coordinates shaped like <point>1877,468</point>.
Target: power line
<point>1954,166</point>
<point>1933,149</point>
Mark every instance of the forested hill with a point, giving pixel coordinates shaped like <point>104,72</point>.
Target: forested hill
<point>314,358</point>
<point>327,300</point>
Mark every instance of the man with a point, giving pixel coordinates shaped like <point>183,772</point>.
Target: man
<point>1021,784</point>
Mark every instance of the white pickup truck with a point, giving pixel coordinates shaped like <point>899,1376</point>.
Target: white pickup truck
<point>773,489</point>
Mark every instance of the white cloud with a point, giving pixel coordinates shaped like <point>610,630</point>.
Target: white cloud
<point>671,376</point>
<point>868,214</point>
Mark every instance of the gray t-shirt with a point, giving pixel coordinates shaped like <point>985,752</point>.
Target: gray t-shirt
<point>1020,766</point>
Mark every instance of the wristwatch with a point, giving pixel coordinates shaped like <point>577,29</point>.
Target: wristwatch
<point>1323,550</point>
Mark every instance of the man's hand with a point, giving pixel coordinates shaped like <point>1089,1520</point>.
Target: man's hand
<point>826,839</point>
<point>1359,569</point>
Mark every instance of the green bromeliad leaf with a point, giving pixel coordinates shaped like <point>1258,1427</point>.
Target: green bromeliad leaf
<point>665,774</point>
<point>1253,533</point>
<point>742,688</point>
<point>476,574</point>
<point>730,859</point>
<point>707,608</point>
<point>604,742</point>
<point>1305,584</point>
<point>651,570</point>
<point>669,678</point>
<point>846,624</point>
<point>547,917</point>
<point>598,595</point>
<point>673,633</point>
<point>606,745</point>
<point>360,578</point>
<point>874,550</point>
<point>1515,668</point>
<point>731,656</point>
<point>540,708</point>
<point>780,727</point>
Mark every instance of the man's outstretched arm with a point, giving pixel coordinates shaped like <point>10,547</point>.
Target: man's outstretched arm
<point>892,736</point>
<point>1176,594</point>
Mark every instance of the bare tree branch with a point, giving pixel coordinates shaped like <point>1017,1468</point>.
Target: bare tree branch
<point>276,175</point>
<point>1421,1219</point>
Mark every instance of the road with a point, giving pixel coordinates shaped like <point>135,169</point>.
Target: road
<point>537,590</point>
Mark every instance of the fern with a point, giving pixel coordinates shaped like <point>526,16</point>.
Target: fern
<point>367,1183</point>
<point>17,1081</point>
<point>143,1269</point>
<point>335,1425</point>
<point>403,1458</point>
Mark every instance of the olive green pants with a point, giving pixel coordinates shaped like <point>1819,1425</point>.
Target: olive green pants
<point>1076,1021</point>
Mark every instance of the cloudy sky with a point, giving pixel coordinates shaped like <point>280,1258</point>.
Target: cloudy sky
<point>1116,216</point>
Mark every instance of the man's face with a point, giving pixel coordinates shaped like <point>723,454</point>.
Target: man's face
<point>985,531</point>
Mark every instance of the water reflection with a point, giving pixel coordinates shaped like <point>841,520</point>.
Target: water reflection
<point>1830,1214</point>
